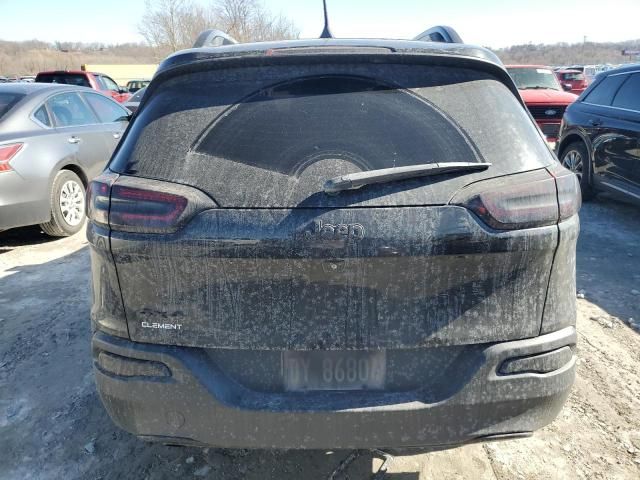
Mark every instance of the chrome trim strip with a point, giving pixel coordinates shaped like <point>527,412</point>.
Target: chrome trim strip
<point>623,73</point>
<point>620,189</point>
<point>609,106</point>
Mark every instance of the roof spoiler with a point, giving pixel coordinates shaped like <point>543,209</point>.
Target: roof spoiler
<point>214,38</point>
<point>441,34</point>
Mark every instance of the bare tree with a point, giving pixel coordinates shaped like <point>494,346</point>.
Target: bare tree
<point>249,20</point>
<point>31,57</point>
<point>171,25</point>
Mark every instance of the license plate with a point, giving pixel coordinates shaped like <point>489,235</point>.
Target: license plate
<point>331,370</point>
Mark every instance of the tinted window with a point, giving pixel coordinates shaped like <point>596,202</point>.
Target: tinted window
<point>256,137</point>
<point>42,116</point>
<point>109,84</point>
<point>64,78</point>
<point>68,110</point>
<point>576,76</point>
<point>629,94</point>
<point>603,92</point>
<point>108,111</point>
<point>334,117</point>
<point>7,101</point>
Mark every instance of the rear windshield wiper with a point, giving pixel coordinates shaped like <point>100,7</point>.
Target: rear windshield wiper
<point>353,181</point>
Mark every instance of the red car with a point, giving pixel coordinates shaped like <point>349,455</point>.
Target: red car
<point>543,95</point>
<point>574,80</point>
<point>96,81</point>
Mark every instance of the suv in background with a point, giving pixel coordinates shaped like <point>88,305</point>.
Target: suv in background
<point>97,81</point>
<point>600,135</point>
<point>321,244</point>
<point>543,96</point>
<point>572,81</point>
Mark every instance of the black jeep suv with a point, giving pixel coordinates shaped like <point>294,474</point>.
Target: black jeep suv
<point>333,244</point>
<point>600,135</point>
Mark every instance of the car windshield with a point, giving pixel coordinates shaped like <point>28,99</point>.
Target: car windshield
<point>534,78</point>
<point>7,101</point>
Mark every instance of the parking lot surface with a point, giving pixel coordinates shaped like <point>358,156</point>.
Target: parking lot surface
<point>53,426</point>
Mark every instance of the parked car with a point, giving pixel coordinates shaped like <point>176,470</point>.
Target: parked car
<point>96,81</point>
<point>321,244</point>
<point>572,81</point>
<point>591,71</point>
<point>543,96</point>
<point>53,140</point>
<point>134,102</point>
<point>134,85</point>
<point>600,135</point>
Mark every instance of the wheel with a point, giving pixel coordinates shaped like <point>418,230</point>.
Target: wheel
<point>575,157</point>
<point>67,205</point>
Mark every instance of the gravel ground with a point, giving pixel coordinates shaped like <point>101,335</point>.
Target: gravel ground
<point>52,425</point>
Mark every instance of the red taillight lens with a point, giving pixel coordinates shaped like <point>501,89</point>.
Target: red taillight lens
<point>569,195</point>
<point>98,195</point>
<point>141,205</point>
<point>7,152</point>
<point>137,209</point>
<point>525,200</point>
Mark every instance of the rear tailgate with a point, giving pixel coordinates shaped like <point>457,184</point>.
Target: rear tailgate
<point>279,264</point>
<point>369,278</point>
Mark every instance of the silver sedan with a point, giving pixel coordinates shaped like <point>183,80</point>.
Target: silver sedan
<point>53,140</point>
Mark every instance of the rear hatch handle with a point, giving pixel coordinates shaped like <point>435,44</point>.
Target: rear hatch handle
<point>353,181</point>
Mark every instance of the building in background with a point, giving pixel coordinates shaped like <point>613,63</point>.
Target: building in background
<point>123,73</point>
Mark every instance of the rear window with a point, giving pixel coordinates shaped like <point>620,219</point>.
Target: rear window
<point>628,96</point>
<point>7,101</point>
<point>64,78</point>
<point>603,92</point>
<point>286,127</point>
<point>271,136</point>
<point>573,77</point>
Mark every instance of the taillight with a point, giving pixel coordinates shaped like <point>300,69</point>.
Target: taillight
<point>569,195</point>
<point>7,152</point>
<point>524,200</point>
<point>144,210</point>
<point>140,205</point>
<point>98,197</point>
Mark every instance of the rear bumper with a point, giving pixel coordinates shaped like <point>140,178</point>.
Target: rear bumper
<point>196,403</point>
<point>21,204</point>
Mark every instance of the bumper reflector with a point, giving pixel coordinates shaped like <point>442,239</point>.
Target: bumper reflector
<point>129,367</point>
<point>541,363</point>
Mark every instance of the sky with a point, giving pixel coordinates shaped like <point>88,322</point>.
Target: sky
<point>492,23</point>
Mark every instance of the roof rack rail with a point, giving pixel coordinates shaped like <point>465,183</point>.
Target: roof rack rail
<point>441,34</point>
<point>214,38</point>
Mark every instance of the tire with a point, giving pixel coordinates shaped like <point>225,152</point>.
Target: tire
<point>575,157</point>
<point>67,204</point>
